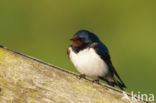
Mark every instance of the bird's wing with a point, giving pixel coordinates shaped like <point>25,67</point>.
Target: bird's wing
<point>102,50</point>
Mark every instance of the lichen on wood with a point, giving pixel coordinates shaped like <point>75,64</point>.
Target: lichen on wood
<point>24,79</point>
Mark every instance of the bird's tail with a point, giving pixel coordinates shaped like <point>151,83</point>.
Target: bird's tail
<point>121,85</point>
<point>113,82</point>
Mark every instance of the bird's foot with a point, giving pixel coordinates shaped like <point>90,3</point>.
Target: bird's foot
<point>96,81</point>
<point>81,76</point>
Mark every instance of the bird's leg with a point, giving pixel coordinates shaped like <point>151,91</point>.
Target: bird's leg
<point>81,76</point>
<point>96,81</point>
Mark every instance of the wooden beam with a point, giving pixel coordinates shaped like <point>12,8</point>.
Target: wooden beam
<point>24,79</point>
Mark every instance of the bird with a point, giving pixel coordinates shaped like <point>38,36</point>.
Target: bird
<point>91,58</point>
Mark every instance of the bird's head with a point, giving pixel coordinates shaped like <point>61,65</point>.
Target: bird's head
<point>83,38</point>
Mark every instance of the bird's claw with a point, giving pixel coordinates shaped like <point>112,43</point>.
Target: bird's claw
<point>96,81</point>
<point>81,76</point>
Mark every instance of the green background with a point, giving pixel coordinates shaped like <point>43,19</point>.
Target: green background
<point>42,28</point>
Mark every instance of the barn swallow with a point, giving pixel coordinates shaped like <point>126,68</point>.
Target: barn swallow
<point>91,57</point>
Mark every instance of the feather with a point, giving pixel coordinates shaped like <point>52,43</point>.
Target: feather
<point>102,50</point>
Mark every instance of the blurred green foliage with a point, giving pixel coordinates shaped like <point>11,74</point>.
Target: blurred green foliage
<point>42,28</point>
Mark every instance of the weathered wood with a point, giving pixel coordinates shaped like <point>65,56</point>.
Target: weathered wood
<point>24,79</point>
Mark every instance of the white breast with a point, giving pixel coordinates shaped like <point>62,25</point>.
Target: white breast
<point>88,62</point>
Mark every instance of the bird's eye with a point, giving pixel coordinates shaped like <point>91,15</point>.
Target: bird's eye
<point>79,39</point>
<point>82,39</point>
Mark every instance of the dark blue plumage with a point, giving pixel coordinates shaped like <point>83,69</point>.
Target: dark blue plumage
<point>84,39</point>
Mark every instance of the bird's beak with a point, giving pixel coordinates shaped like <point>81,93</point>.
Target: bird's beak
<point>72,39</point>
